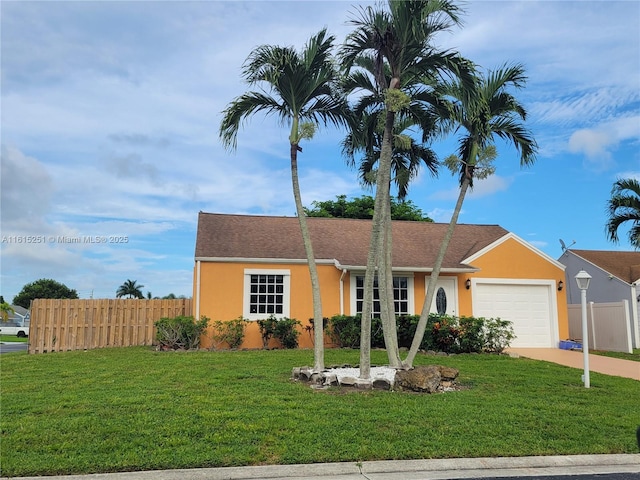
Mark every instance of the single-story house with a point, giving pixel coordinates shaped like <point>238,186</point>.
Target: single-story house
<point>615,276</point>
<point>255,266</point>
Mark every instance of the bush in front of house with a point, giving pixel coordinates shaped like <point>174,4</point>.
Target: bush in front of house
<point>443,333</point>
<point>282,329</point>
<point>230,332</point>
<point>180,333</point>
<point>497,334</point>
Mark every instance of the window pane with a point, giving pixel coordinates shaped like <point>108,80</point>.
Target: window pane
<point>263,298</point>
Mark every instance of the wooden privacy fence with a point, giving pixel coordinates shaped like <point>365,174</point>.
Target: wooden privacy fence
<point>60,325</point>
<point>608,325</point>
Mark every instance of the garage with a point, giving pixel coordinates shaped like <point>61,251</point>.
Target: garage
<point>529,305</point>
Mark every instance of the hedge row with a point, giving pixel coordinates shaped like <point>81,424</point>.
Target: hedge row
<point>443,333</point>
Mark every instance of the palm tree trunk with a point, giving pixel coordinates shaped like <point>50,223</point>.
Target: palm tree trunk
<point>426,306</point>
<point>376,243</point>
<point>385,277</point>
<point>318,321</point>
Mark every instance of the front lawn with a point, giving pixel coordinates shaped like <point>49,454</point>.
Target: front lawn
<point>136,409</point>
<point>635,356</point>
<point>13,338</point>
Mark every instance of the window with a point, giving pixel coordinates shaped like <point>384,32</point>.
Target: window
<point>402,295</point>
<point>266,293</point>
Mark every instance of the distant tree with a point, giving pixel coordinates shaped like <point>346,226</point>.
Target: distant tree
<point>130,289</point>
<point>362,207</point>
<point>624,207</point>
<point>43,288</point>
<point>5,310</point>
<point>171,296</point>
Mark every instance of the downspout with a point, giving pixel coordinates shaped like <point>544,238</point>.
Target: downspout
<point>344,272</point>
<point>634,314</point>
<point>197,315</point>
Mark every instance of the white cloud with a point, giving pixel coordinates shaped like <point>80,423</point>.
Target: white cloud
<point>597,143</point>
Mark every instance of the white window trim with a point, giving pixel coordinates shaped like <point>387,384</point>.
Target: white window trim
<point>410,294</point>
<point>286,280</point>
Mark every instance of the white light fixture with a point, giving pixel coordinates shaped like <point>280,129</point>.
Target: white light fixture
<point>583,279</point>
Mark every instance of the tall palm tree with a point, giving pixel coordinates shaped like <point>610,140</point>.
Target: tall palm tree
<point>623,208</point>
<point>482,113</point>
<point>400,41</point>
<point>130,289</point>
<point>408,157</point>
<point>299,88</point>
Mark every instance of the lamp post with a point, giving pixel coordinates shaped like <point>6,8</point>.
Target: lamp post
<point>583,279</point>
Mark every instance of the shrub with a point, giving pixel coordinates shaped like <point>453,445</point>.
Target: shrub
<point>471,335</point>
<point>182,332</point>
<point>283,329</point>
<point>287,333</point>
<point>267,329</point>
<point>344,330</point>
<point>230,332</point>
<point>497,335</point>
<point>445,334</point>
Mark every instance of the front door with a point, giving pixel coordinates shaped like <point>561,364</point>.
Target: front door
<point>445,299</point>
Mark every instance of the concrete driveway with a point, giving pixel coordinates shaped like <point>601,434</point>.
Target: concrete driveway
<point>572,358</point>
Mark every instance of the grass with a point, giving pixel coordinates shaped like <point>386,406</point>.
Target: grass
<point>128,409</point>
<point>13,338</point>
<point>635,356</point>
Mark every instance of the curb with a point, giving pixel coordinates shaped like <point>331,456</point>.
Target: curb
<point>454,468</point>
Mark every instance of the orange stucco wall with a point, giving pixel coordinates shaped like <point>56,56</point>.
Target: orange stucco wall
<point>222,289</point>
<point>512,259</point>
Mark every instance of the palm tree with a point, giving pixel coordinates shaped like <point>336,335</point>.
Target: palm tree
<point>624,207</point>
<point>5,310</point>
<point>399,40</point>
<point>408,156</point>
<point>300,88</point>
<point>130,289</point>
<point>483,112</point>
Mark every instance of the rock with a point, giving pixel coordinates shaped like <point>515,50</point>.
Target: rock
<point>317,378</point>
<point>381,384</point>
<point>331,380</point>
<point>348,381</point>
<point>363,384</point>
<point>420,379</point>
<point>448,373</point>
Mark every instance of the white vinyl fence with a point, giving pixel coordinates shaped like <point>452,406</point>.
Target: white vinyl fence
<point>609,325</point>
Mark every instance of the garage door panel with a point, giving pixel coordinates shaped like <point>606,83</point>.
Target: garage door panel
<point>526,306</point>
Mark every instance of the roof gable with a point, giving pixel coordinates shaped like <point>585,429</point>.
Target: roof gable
<point>624,265</point>
<point>513,236</point>
<point>415,244</point>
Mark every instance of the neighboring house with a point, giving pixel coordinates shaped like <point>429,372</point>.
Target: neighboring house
<point>615,277</point>
<point>20,316</point>
<point>255,266</point>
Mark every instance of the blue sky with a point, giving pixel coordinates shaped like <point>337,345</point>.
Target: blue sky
<point>111,109</point>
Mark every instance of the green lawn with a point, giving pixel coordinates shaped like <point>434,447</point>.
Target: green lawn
<point>635,356</point>
<point>13,338</point>
<point>136,409</point>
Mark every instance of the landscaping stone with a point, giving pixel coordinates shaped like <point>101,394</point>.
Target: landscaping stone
<point>422,379</point>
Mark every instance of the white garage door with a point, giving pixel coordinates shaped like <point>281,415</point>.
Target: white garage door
<point>528,306</point>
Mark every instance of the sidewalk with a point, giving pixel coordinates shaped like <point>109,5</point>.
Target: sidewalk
<point>571,358</point>
<point>455,468</point>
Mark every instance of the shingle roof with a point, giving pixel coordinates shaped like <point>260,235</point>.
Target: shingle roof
<point>624,265</point>
<point>415,244</point>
